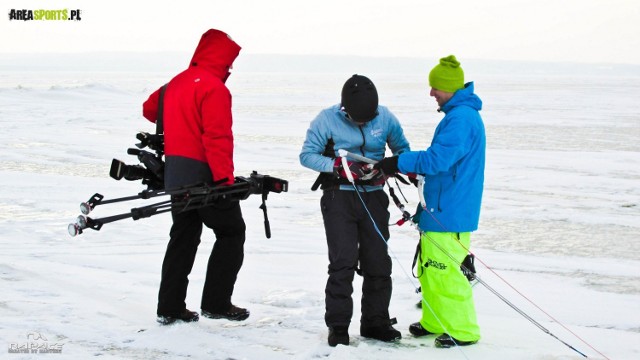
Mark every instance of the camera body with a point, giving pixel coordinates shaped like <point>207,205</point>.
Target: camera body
<point>262,184</point>
<point>151,169</point>
<point>151,172</point>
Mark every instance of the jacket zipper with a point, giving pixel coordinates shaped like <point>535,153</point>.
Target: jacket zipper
<point>364,141</point>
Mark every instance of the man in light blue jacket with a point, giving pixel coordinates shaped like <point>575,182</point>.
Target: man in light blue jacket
<point>453,167</point>
<point>361,126</point>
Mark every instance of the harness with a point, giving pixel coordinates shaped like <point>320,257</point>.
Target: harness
<point>326,180</point>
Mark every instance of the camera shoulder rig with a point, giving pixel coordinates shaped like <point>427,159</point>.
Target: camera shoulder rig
<point>182,199</point>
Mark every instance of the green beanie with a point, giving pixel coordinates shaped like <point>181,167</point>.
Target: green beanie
<point>447,75</point>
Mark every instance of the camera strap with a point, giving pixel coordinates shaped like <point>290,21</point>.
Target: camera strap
<point>159,122</point>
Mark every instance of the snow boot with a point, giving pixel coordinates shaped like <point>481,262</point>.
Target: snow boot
<point>234,314</point>
<point>417,330</point>
<point>338,335</point>
<point>186,315</point>
<point>446,341</point>
<point>384,333</point>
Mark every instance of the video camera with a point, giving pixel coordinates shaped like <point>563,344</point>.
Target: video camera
<point>151,172</point>
<point>155,142</point>
<point>262,184</point>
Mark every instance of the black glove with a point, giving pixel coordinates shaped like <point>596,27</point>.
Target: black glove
<point>389,166</point>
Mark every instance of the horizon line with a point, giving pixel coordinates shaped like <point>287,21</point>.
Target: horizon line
<point>416,58</point>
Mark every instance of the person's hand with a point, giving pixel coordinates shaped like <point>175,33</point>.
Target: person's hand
<point>358,170</point>
<point>389,166</point>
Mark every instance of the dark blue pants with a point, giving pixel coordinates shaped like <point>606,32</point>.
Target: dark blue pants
<point>225,219</point>
<point>352,239</point>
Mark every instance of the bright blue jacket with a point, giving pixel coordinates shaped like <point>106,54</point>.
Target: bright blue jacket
<point>453,166</point>
<point>369,139</point>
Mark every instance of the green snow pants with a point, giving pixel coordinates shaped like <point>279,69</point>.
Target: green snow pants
<point>445,289</point>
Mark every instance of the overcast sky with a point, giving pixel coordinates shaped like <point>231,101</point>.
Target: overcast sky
<point>589,31</point>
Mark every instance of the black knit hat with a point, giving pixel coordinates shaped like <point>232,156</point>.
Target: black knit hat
<point>360,98</point>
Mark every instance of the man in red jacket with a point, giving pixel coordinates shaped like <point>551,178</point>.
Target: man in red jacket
<point>199,149</point>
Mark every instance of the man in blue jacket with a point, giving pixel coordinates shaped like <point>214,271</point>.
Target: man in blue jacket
<point>453,167</point>
<point>359,125</point>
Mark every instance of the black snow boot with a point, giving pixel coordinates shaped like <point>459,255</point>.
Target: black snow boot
<point>186,315</point>
<point>338,335</point>
<point>446,341</point>
<point>383,333</point>
<point>417,330</point>
<point>234,313</point>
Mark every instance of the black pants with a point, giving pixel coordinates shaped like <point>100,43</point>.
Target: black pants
<point>225,219</point>
<point>351,237</point>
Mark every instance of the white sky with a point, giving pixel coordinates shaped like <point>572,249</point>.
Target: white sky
<point>536,30</point>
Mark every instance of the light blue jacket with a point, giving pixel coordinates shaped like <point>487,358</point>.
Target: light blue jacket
<point>369,139</point>
<point>453,166</point>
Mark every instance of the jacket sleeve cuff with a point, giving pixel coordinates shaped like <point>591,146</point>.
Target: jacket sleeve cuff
<point>407,162</point>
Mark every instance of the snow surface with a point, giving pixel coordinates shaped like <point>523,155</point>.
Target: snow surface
<point>560,221</point>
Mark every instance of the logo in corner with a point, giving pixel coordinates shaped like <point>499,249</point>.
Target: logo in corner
<point>45,15</point>
<point>36,343</point>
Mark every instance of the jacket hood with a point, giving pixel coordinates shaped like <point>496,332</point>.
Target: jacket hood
<point>464,97</point>
<point>216,52</point>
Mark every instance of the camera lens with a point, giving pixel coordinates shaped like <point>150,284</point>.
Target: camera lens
<point>133,172</point>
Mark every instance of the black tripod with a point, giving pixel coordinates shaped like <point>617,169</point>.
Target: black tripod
<point>183,199</point>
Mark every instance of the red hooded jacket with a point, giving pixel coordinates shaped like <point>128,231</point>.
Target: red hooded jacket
<point>197,115</point>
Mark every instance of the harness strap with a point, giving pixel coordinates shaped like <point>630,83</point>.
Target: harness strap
<point>416,256</point>
<point>323,178</point>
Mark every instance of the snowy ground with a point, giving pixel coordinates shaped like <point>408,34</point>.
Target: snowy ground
<point>559,222</point>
